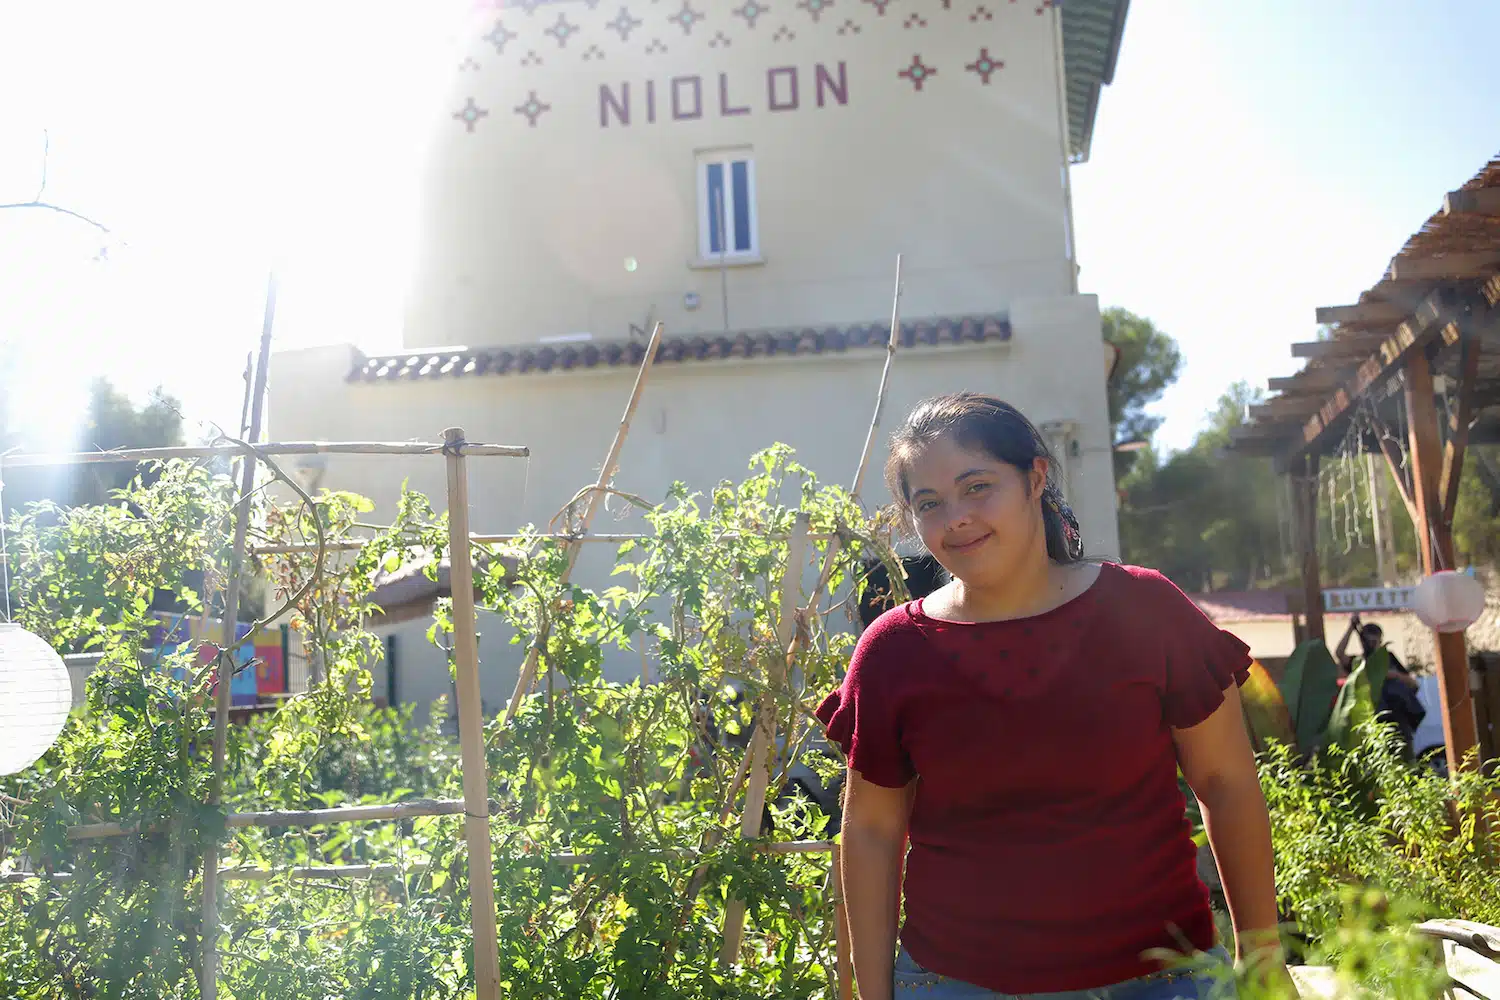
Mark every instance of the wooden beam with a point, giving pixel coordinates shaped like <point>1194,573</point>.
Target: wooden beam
<point>1309,380</point>
<point>1480,201</point>
<point>1403,489</point>
<point>1364,312</point>
<point>1305,525</point>
<point>1315,349</point>
<point>1439,309</point>
<point>1460,729</point>
<point>1452,266</point>
<point>1458,436</point>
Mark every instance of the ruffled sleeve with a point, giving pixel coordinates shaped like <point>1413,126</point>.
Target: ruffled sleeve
<point>862,717</point>
<point>1202,660</point>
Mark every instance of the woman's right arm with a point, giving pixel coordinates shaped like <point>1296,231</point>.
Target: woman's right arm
<point>874,845</point>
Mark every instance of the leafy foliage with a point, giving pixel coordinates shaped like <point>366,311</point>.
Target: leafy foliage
<point>603,812</point>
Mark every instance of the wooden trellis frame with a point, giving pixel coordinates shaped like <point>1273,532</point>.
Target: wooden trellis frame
<point>475,805</point>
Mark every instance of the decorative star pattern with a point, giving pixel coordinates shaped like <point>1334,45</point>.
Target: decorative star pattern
<point>563,30</point>
<point>784,34</point>
<point>1044,5</point>
<point>657,47</point>
<point>849,27</point>
<point>470,114</point>
<point>498,37</point>
<point>469,63</point>
<point>624,24</point>
<point>981,13</point>
<point>751,10</point>
<point>686,17</point>
<point>532,109</point>
<point>985,65</point>
<point>593,53</point>
<point>531,58</point>
<point>914,21</point>
<point>918,72</point>
<point>814,8</point>
<point>879,5</point>
<point>719,41</point>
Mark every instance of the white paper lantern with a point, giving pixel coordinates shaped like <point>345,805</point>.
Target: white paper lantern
<point>35,696</point>
<point>1448,601</point>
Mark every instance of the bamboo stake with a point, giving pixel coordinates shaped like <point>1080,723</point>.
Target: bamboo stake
<point>764,737</point>
<point>369,871</point>
<point>208,986</point>
<point>355,544</point>
<point>830,559</point>
<point>591,504</point>
<point>471,726</point>
<point>843,957</point>
<point>271,448</point>
<point>291,817</point>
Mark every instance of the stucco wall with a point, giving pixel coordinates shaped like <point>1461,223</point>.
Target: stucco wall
<point>528,219</point>
<point>698,422</point>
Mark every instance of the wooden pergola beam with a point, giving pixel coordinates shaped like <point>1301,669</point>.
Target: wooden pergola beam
<point>1312,380</point>
<point>1363,312</point>
<point>1438,311</point>
<point>1316,349</point>
<point>1480,201</point>
<point>1448,267</point>
<point>1458,437</point>
<point>1285,406</point>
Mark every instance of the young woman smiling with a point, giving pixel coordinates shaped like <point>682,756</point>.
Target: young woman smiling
<point>1022,727</point>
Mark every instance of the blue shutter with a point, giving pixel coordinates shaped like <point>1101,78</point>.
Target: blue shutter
<point>740,178</point>
<point>716,202</point>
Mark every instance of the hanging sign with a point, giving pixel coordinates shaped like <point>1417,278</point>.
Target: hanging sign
<point>1350,599</point>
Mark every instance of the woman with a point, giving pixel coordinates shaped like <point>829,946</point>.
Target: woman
<point>1023,725</point>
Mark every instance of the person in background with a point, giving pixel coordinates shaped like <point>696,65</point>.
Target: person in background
<point>1399,703</point>
<point>1023,725</point>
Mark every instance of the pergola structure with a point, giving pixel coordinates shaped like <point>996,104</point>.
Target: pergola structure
<point>1410,373</point>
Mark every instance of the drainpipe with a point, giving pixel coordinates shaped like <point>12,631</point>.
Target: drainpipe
<point>1062,146</point>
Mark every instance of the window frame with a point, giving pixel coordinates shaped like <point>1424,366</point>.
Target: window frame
<point>726,159</point>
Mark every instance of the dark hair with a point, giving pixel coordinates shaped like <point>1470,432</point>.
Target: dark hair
<point>984,423</point>
<point>923,575</point>
<point>1370,635</point>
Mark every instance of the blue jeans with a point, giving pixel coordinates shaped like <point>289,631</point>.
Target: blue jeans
<point>913,981</point>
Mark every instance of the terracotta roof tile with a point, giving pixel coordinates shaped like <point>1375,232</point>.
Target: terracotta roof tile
<point>457,362</point>
<point>1243,605</point>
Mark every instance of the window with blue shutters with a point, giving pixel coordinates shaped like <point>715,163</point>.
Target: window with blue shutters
<point>726,206</point>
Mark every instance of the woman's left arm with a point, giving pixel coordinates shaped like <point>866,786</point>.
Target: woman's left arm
<point>1219,766</point>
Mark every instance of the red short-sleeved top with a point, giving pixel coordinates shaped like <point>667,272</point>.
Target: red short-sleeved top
<point>1049,846</point>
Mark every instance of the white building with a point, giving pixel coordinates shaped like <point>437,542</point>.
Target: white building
<point>746,173</point>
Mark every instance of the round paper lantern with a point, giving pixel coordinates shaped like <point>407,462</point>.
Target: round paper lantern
<point>35,696</point>
<point>1448,601</point>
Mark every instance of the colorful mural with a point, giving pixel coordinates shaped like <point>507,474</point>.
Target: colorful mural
<point>260,665</point>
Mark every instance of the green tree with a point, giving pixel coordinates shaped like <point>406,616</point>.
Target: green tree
<point>1149,363</point>
<point>112,421</point>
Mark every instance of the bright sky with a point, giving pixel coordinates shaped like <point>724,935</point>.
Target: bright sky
<point>1251,161</point>
<point>1256,159</point>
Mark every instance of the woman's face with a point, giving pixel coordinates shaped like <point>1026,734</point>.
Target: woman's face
<point>979,517</point>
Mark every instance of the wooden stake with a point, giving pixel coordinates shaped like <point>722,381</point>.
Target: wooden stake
<point>830,559</point>
<point>590,505</point>
<point>764,737</point>
<point>843,957</point>
<point>885,378</point>
<point>208,984</point>
<point>471,726</point>
<point>273,449</point>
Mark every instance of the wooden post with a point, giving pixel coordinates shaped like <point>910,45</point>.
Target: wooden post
<point>1460,730</point>
<point>843,958</point>
<point>763,740</point>
<point>208,982</point>
<point>1305,507</point>
<point>471,726</point>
